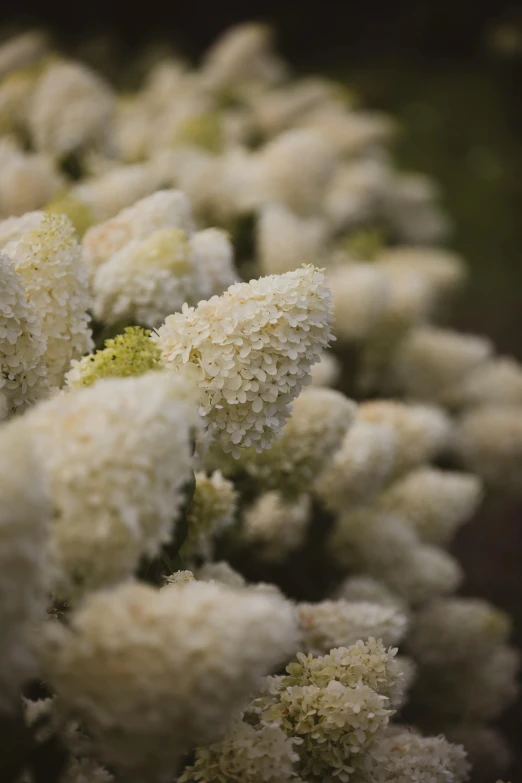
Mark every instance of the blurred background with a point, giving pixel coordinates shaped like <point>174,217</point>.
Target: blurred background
<point>451,72</point>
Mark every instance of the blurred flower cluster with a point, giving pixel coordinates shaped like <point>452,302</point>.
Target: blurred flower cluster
<point>226,506</point>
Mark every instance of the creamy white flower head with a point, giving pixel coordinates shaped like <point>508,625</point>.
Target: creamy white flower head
<point>327,370</point>
<point>108,192</point>
<point>457,630</point>
<point>117,455</point>
<point>319,420</point>
<point>445,270</point>
<point>385,547</point>
<point>24,523</point>
<point>223,573</point>
<point>49,261</point>
<point>146,280</point>
<point>422,431</point>
<point>495,381</point>
<point>193,654</point>
<point>211,511</point>
<point>435,502</point>
<point>431,360</point>
<point>360,467</point>
<point>27,182</point>
<point>413,212</point>
<point>13,228</point>
<point>285,240</point>
<point>356,192</point>
<point>403,756</point>
<point>365,588</point>
<point>360,294</point>
<point>336,724</point>
<point>23,371</point>
<point>275,526</point>
<point>278,109</point>
<point>251,350</point>
<point>246,754</point>
<point>164,209</point>
<point>353,134</point>
<point>296,168</point>
<point>213,257</point>
<point>340,623</point>
<point>240,55</point>
<point>72,108</point>
<point>20,51</point>
<point>488,442</point>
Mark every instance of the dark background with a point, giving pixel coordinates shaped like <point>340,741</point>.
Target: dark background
<point>451,71</point>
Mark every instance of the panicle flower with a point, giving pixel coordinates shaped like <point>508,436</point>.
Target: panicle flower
<point>488,441</point>
<point>193,654</point>
<point>246,754</point>
<point>274,525</point>
<point>71,109</point>
<point>211,512</point>
<point>365,588</point>
<point>431,360</point>
<point>436,502</point>
<point>117,455</point>
<point>27,181</point>
<point>146,280</point>
<point>129,354</point>
<point>24,525</point>
<point>213,257</point>
<point>404,756</point>
<point>23,372</point>
<point>360,467</point>
<point>108,192</point>
<point>495,381</point>
<point>285,240</point>
<point>49,261</point>
<point>251,351</point>
<point>320,418</point>
<point>78,212</point>
<point>20,51</point>
<point>422,431</point>
<point>164,209</point>
<point>327,370</point>
<point>446,271</point>
<point>340,623</point>
<point>360,294</point>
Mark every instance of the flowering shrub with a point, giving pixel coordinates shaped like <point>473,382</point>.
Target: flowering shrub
<point>236,441</point>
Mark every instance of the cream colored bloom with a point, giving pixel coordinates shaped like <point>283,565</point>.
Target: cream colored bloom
<point>48,259</point>
<point>213,257</point>
<point>496,381</point>
<point>27,181</point>
<point>108,192</point>
<point>117,455</point>
<point>21,50</point>
<point>286,240</point>
<point>360,296</point>
<point>72,108</point>
<point>274,526</point>
<point>164,209</point>
<point>435,502</point>
<point>251,351</point>
<point>329,624</point>
<point>327,370</point>
<point>211,512</point>
<point>241,55</point>
<point>192,655</point>
<point>24,526</point>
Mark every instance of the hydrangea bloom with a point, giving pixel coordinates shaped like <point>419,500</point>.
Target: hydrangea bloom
<point>24,523</point>
<point>48,259</point>
<point>193,653</point>
<point>251,351</point>
<point>210,512</point>
<point>274,525</point>
<point>340,623</point>
<point>117,455</point>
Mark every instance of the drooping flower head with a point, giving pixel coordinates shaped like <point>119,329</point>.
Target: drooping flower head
<point>251,351</point>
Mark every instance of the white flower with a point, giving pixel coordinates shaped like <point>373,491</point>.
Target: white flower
<point>242,54</point>
<point>327,370</point>
<point>495,381</point>
<point>360,295</point>
<point>285,240</point>
<point>340,623</point>
<point>211,511</point>
<point>445,270</point>
<point>403,757</point>
<point>274,525</point>
<point>21,50</point>
<point>23,372</point>
<point>213,257</point>
<point>48,259</point>
<point>27,182</point>
<point>360,467</point>
<point>164,209</point>
<point>251,350</point>
<point>365,588</point>
<point>72,107</point>
<point>436,502</point>
<point>246,754</point>
<point>119,187</point>
<point>24,524</point>
<point>146,280</point>
<point>192,654</point>
<point>117,455</point>
<point>412,210</point>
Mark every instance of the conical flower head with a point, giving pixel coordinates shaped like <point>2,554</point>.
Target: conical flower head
<point>251,350</point>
